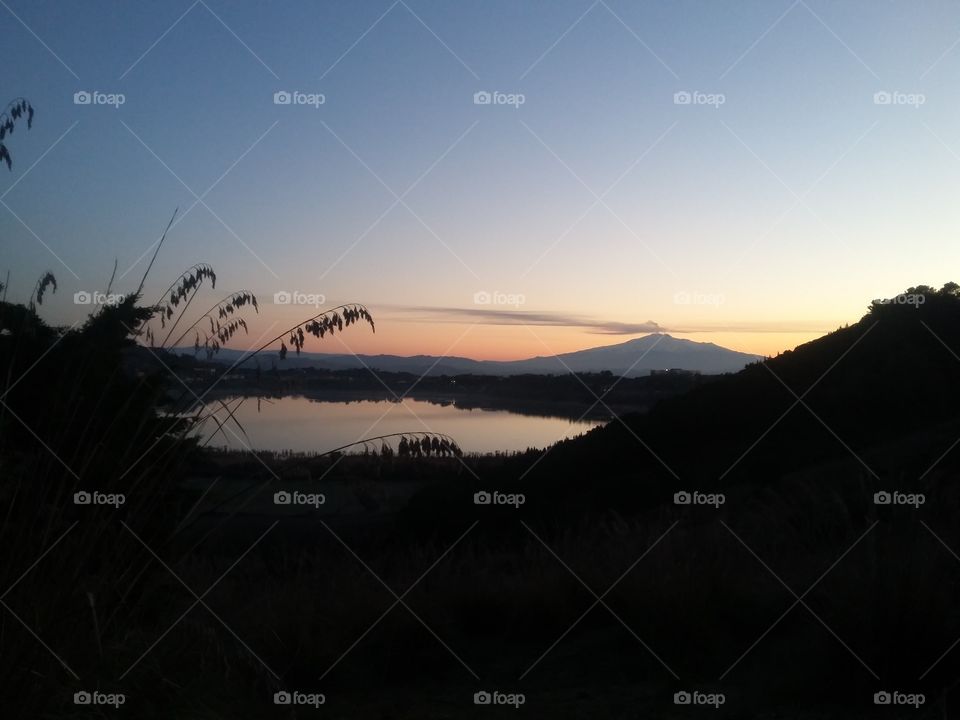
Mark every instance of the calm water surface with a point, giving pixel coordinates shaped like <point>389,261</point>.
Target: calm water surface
<point>305,425</point>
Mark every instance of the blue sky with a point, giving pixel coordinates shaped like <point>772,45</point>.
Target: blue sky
<point>756,223</point>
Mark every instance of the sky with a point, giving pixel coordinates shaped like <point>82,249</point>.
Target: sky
<point>748,173</point>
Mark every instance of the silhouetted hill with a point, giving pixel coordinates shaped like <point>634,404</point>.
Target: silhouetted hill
<point>632,358</point>
<point>893,375</point>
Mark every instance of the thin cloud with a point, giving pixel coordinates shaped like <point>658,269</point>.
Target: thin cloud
<point>492,316</point>
<point>497,316</point>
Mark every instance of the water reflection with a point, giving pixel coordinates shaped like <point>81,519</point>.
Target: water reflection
<point>302,424</point>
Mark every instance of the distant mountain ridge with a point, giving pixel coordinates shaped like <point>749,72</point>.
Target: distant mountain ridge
<point>636,357</point>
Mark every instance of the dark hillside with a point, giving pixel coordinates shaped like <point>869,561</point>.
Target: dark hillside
<point>892,374</point>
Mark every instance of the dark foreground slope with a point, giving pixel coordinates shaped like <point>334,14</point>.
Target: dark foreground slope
<point>893,377</point>
<point>802,591</point>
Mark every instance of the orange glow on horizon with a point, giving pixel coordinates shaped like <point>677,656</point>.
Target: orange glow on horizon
<point>483,341</point>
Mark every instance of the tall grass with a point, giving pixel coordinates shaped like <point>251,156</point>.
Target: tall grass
<point>79,414</point>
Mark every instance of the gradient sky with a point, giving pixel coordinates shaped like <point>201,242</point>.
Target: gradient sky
<point>600,205</point>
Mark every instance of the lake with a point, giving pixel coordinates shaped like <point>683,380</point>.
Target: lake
<point>302,424</point>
